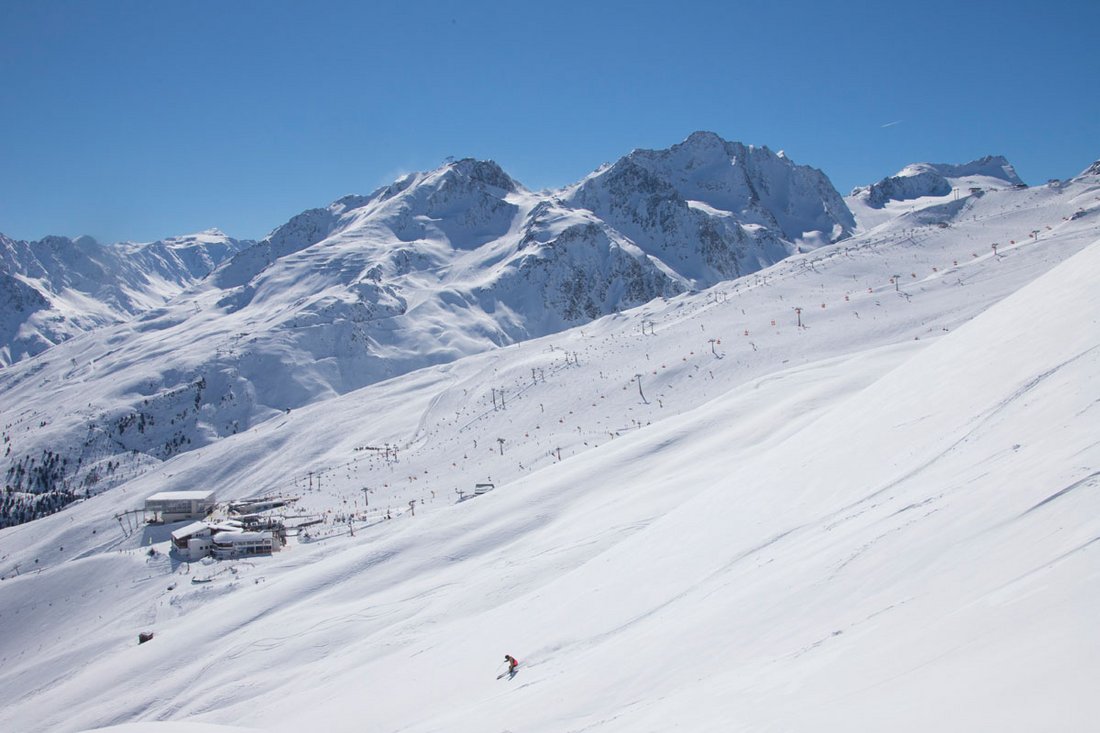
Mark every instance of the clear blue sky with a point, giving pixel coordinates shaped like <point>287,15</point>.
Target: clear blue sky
<point>143,119</point>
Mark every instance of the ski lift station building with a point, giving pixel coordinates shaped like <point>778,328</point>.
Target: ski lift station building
<point>224,541</point>
<point>194,541</point>
<point>229,545</point>
<point>175,506</point>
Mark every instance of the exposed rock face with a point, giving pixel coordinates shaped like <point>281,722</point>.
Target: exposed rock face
<point>713,209</point>
<point>1092,170</point>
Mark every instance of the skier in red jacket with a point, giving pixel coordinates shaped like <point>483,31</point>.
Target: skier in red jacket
<point>512,663</point>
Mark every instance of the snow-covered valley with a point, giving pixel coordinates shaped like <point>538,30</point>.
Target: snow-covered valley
<point>851,490</point>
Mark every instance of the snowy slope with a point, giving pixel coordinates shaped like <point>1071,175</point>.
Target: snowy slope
<point>886,516</point>
<point>920,185</point>
<point>436,266</point>
<point>56,288</point>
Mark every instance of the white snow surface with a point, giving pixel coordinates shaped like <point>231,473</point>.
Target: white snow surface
<point>173,727</point>
<point>706,516</point>
<point>57,288</point>
<point>434,267</point>
<point>920,185</point>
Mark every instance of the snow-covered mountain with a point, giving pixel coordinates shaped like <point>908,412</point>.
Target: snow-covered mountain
<point>713,209</point>
<point>56,288</point>
<point>1092,170</point>
<point>436,266</point>
<point>463,252</point>
<point>919,185</point>
<point>853,482</point>
<point>938,179</point>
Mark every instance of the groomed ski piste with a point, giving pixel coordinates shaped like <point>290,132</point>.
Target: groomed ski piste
<point>711,513</point>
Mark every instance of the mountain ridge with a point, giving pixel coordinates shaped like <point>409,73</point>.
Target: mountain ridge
<point>917,180</point>
<point>681,218</point>
<point>868,467</point>
<point>434,267</point>
<point>79,285</point>
<point>666,231</point>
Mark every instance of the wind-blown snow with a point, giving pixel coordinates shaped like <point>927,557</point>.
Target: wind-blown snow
<point>705,517</point>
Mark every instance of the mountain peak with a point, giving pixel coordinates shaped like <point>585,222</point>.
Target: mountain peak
<point>1092,170</point>
<point>989,166</point>
<point>917,180</point>
<point>712,141</point>
<point>705,138</point>
<point>742,185</point>
<point>487,172</point>
<point>703,145</point>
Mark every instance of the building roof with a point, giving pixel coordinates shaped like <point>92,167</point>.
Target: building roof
<point>181,496</point>
<point>190,529</point>
<point>232,538</point>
